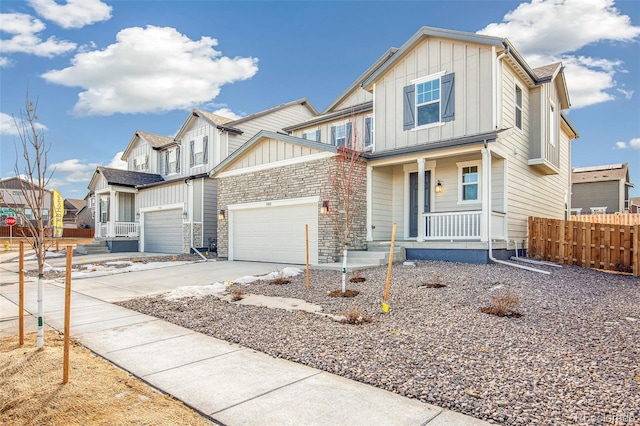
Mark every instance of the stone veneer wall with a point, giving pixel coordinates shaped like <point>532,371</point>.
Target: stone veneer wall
<point>292,181</point>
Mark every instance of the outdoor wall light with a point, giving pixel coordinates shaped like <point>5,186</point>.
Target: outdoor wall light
<point>138,215</point>
<point>325,207</point>
<point>439,188</point>
<point>221,215</point>
<point>185,214</point>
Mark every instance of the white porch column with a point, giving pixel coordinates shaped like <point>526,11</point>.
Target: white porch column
<point>485,184</point>
<point>112,213</point>
<point>369,203</point>
<point>421,190</point>
<point>96,215</point>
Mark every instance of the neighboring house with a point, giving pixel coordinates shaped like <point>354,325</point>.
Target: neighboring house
<point>71,208</point>
<point>165,202</point>
<point>12,197</point>
<point>634,205</point>
<point>600,189</point>
<point>86,215</point>
<point>463,142</point>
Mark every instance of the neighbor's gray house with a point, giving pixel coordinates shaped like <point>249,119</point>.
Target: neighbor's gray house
<point>12,197</point>
<point>463,141</point>
<point>165,201</point>
<point>600,189</point>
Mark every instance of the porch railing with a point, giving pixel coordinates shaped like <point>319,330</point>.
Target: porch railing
<point>118,229</point>
<point>465,225</point>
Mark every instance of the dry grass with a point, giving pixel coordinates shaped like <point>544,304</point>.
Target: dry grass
<point>280,281</point>
<point>355,316</point>
<point>504,304</point>
<point>339,293</point>
<point>237,294</point>
<point>98,393</point>
<point>436,282</point>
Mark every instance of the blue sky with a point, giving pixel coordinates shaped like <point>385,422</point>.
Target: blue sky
<point>103,69</point>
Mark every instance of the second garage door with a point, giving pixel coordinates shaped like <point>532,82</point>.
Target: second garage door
<point>163,231</point>
<point>274,234</point>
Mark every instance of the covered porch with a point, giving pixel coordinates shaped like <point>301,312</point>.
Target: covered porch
<point>450,199</point>
<point>115,214</point>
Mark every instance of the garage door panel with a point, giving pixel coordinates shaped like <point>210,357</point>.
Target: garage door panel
<point>275,234</point>
<point>163,231</point>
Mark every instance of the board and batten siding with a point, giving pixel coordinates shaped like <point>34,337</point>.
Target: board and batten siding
<point>269,151</point>
<point>173,193</point>
<point>142,149</point>
<point>358,128</point>
<point>101,184</point>
<point>356,97</point>
<point>210,211</point>
<point>471,65</point>
<point>273,121</point>
<point>126,204</point>
<point>197,131</point>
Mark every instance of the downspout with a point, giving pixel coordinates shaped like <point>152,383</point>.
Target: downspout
<point>487,168</point>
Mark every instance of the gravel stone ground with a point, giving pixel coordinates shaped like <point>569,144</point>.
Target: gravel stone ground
<point>573,357</point>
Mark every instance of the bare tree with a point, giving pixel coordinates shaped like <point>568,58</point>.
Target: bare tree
<point>33,177</point>
<point>347,189</point>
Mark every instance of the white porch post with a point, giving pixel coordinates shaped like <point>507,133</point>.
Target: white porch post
<point>421,189</point>
<point>112,213</point>
<point>486,195</point>
<point>369,203</point>
<point>96,215</point>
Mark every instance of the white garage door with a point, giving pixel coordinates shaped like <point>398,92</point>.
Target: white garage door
<point>163,231</point>
<point>274,234</point>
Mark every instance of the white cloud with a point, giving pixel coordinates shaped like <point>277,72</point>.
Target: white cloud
<point>226,112</point>
<point>73,14</point>
<point>4,62</point>
<point>632,144</point>
<point>547,31</point>
<point>628,94</point>
<point>8,125</point>
<point>117,163</point>
<point>24,29</point>
<point>152,69</point>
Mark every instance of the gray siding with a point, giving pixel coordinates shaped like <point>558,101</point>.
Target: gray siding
<point>325,128</point>
<point>199,129</point>
<point>382,208</point>
<point>161,195</point>
<point>273,121</point>
<point>269,151</point>
<point>126,205</point>
<point>596,194</point>
<point>142,149</point>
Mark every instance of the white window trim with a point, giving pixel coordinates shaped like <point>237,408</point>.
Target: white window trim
<point>576,211</point>
<point>594,209</point>
<point>552,124</point>
<point>336,125</point>
<point>308,132</point>
<point>462,165</point>
<point>364,128</point>
<point>168,164</point>
<point>199,140</point>
<point>417,81</point>
<point>516,107</point>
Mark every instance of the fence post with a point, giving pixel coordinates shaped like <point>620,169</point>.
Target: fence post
<point>635,241</point>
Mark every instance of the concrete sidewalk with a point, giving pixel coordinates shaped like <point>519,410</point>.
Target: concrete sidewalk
<point>230,384</point>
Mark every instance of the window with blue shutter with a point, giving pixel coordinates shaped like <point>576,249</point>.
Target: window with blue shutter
<point>368,131</point>
<point>341,134</point>
<point>428,102</point>
<point>178,160</point>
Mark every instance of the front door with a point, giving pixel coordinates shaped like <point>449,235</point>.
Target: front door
<point>414,212</point>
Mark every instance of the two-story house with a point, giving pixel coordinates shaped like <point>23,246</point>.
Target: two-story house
<point>600,189</point>
<point>165,201</point>
<point>463,140</point>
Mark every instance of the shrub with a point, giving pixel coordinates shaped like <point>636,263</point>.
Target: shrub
<point>503,304</point>
<point>279,281</point>
<point>355,316</point>
<point>237,294</point>
<point>357,277</point>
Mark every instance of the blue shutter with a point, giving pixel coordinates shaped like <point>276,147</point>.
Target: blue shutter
<point>367,131</point>
<point>304,135</point>
<point>333,135</point>
<point>447,105</point>
<point>318,135</point>
<point>408,107</point>
<point>348,143</point>
<point>192,158</point>
<point>166,162</point>
<point>146,162</point>
<point>178,160</point>
<point>205,149</point>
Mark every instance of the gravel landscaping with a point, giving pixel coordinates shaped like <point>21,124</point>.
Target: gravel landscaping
<point>572,356</point>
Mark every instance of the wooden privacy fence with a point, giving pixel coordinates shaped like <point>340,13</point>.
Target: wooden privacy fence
<point>24,231</point>
<point>591,245</point>
<point>612,219</point>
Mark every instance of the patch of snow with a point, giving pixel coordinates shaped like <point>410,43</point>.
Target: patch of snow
<point>196,291</point>
<point>285,273</point>
<point>47,255</point>
<point>100,271</point>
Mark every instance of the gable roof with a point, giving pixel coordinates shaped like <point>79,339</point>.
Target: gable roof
<point>600,173</point>
<point>125,177</point>
<point>341,113</point>
<point>154,140</point>
<point>302,101</point>
<point>273,135</point>
<point>358,82</point>
<point>74,203</point>
<point>16,182</point>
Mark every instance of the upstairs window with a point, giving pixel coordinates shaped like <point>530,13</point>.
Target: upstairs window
<point>172,161</point>
<point>341,135</point>
<point>312,135</point>
<point>552,125</point>
<point>141,163</point>
<point>429,101</point>
<point>368,132</point>
<point>199,151</point>
<point>518,111</point>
